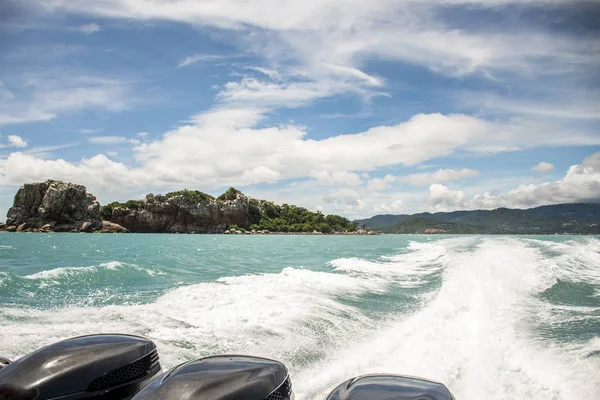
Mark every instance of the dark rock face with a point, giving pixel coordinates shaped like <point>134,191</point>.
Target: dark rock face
<point>176,215</point>
<point>53,206</point>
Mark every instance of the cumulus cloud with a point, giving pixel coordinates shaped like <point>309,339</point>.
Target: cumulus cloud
<point>543,166</point>
<point>441,198</point>
<point>395,206</point>
<point>344,196</point>
<point>14,141</point>
<point>441,175</point>
<point>224,147</point>
<point>378,184</point>
<point>581,184</point>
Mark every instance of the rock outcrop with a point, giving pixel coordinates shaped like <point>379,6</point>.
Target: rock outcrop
<point>53,206</point>
<point>179,215</point>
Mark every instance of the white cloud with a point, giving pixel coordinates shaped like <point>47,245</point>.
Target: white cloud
<point>88,28</point>
<point>107,139</point>
<point>581,184</point>
<point>89,131</point>
<point>45,152</point>
<point>223,147</point>
<point>395,206</point>
<point>273,74</point>
<point>342,178</point>
<point>439,176</point>
<point>98,172</point>
<point>543,166</point>
<point>142,134</point>
<point>379,184</point>
<point>343,196</point>
<point>14,141</point>
<point>441,198</point>
<point>189,60</point>
<point>328,42</point>
<point>50,94</point>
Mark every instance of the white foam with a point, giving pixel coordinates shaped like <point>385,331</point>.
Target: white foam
<point>408,269</point>
<point>269,314</point>
<point>579,260</point>
<point>472,336</point>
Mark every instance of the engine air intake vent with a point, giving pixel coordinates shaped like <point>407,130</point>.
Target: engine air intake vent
<point>136,369</point>
<point>284,391</point>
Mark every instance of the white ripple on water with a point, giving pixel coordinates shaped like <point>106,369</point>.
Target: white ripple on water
<point>472,334</point>
<point>56,273</point>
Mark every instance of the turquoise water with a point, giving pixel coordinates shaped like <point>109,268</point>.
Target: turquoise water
<point>492,317</point>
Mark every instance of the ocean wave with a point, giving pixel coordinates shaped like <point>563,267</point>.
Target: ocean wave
<point>61,272</point>
<point>576,260</point>
<point>410,269</point>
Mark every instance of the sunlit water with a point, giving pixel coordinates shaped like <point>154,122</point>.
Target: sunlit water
<point>491,317</point>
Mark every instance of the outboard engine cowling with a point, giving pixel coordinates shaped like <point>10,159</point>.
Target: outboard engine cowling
<point>222,378</point>
<point>87,367</point>
<point>385,387</point>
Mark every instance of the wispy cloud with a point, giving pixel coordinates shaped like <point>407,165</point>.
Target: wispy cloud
<point>439,176</point>
<point>107,139</point>
<point>189,60</point>
<point>88,28</point>
<point>87,131</point>
<point>45,96</point>
<point>44,152</point>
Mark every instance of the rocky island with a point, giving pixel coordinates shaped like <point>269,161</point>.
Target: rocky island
<point>55,206</point>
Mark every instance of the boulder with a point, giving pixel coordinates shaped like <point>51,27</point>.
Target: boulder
<point>86,227</point>
<point>110,227</point>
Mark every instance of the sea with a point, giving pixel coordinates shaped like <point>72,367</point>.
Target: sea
<point>491,317</point>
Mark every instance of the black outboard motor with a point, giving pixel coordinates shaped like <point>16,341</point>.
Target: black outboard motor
<point>388,387</point>
<point>88,367</point>
<point>222,378</point>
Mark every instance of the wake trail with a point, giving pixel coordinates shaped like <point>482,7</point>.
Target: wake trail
<point>473,335</point>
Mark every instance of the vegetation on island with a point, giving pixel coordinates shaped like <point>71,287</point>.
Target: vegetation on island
<point>265,215</point>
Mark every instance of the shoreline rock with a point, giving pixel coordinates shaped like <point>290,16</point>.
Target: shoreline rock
<point>55,206</point>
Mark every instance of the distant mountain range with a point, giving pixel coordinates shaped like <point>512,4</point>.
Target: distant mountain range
<point>561,219</point>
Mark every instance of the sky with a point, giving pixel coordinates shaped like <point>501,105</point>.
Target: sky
<point>350,107</point>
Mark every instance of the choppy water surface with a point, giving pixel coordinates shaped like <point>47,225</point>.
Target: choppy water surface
<point>491,317</point>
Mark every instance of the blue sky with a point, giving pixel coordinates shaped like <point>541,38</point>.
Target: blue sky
<point>350,107</point>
